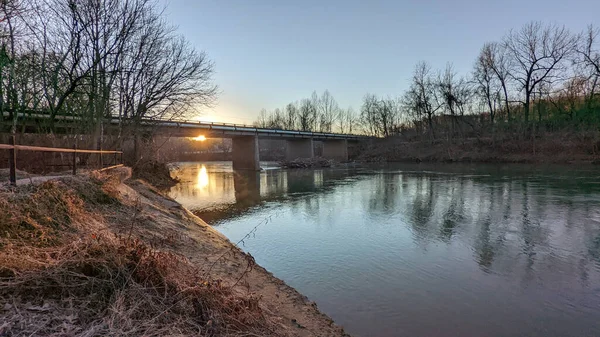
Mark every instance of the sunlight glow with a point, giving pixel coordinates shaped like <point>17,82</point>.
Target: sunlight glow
<point>200,138</point>
<point>202,181</point>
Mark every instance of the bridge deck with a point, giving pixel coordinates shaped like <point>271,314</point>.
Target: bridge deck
<point>187,128</point>
<point>224,130</point>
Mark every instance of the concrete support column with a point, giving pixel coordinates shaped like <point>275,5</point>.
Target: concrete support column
<point>299,148</point>
<point>245,153</point>
<point>336,149</point>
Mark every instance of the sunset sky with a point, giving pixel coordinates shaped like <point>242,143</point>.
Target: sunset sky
<point>269,53</point>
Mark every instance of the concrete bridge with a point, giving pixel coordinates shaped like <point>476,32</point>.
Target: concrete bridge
<point>245,151</point>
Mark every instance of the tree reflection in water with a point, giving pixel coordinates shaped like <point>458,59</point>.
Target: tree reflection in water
<point>504,244</point>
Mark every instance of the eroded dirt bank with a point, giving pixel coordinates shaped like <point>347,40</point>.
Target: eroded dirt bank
<point>109,255</point>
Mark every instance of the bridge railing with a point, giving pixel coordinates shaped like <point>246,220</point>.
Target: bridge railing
<point>13,148</point>
<point>245,127</point>
<point>211,125</point>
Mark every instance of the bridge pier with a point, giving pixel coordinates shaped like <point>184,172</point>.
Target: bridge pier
<point>244,153</point>
<point>336,149</point>
<point>299,148</point>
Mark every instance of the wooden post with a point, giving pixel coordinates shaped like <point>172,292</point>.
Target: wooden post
<point>75,160</point>
<point>12,161</point>
<point>100,156</point>
<point>115,159</point>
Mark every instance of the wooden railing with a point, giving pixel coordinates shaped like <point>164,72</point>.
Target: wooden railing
<point>13,148</point>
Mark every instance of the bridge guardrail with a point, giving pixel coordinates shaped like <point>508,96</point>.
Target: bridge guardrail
<point>236,127</point>
<point>12,147</point>
<point>211,126</point>
<point>265,130</point>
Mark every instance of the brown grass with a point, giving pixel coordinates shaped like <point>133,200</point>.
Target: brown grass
<point>62,272</point>
<point>154,172</point>
<point>38,215</point>
<point>547,148</point>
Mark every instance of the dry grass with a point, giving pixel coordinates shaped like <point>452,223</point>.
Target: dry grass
<point>98,286</point>
<point>547,148</point>
<point>155,173</point>
<point>38,215</point>
<point>62,273</point>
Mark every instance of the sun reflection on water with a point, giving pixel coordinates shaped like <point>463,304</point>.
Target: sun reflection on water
<point>202,181</point>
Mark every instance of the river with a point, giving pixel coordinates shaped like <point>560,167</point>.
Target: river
<point>419,250</point>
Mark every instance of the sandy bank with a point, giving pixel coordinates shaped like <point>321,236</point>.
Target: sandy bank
<point>105,255</point>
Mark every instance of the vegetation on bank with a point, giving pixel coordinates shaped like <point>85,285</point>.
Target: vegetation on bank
<point>154,172</point>
<point>301,163</point>
<point>536,80</point>
<point>82,256</point>
<point>559,148</point>
<point>63,271</point>
<point>67,66</point>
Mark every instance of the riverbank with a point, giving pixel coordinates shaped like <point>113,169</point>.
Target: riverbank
<point>556,149</point>
<point>109,255</point>
<point>304,163</point>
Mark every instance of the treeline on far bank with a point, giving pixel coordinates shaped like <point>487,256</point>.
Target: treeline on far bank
<point>538,79</point>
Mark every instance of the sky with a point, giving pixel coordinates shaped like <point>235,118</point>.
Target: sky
<point>270,53</point>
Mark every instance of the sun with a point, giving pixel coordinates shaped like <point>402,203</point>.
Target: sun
<point>200,138</point>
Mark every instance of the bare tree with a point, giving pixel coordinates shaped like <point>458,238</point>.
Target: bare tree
<point>379,116</point>
<point>161,76</point>
<point>495,57</point>
<point>328,111</point>
<point>538,53</point>
<point>57,35</point>
<point>109,28</point>
<point>368,114</point>
<point>588,50</point>
<point>454,92</point>
<point>263,119</point>
<point>486,85</point>
<point>388,113</point>
<point>88,60</point>
<point>277,119</point>
<point>310,114</point>
<point>346,120</point>
<point>64,51</point>
<point>307,114</point>
<point>291,115</point>
<point>18,78</point>
<point>351,120</point>
<point>421,100</point>
<point>314,110</point>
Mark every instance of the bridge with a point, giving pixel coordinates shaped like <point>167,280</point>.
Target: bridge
<point>245,150</point>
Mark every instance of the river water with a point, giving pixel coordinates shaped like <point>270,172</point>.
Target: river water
<point>420,250</point>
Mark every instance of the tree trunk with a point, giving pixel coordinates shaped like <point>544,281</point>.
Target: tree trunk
<point>430,120</point>
<point>526,106</point>
<point>136,148</point>
<point>489,101</point>
<point>506,101</point>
